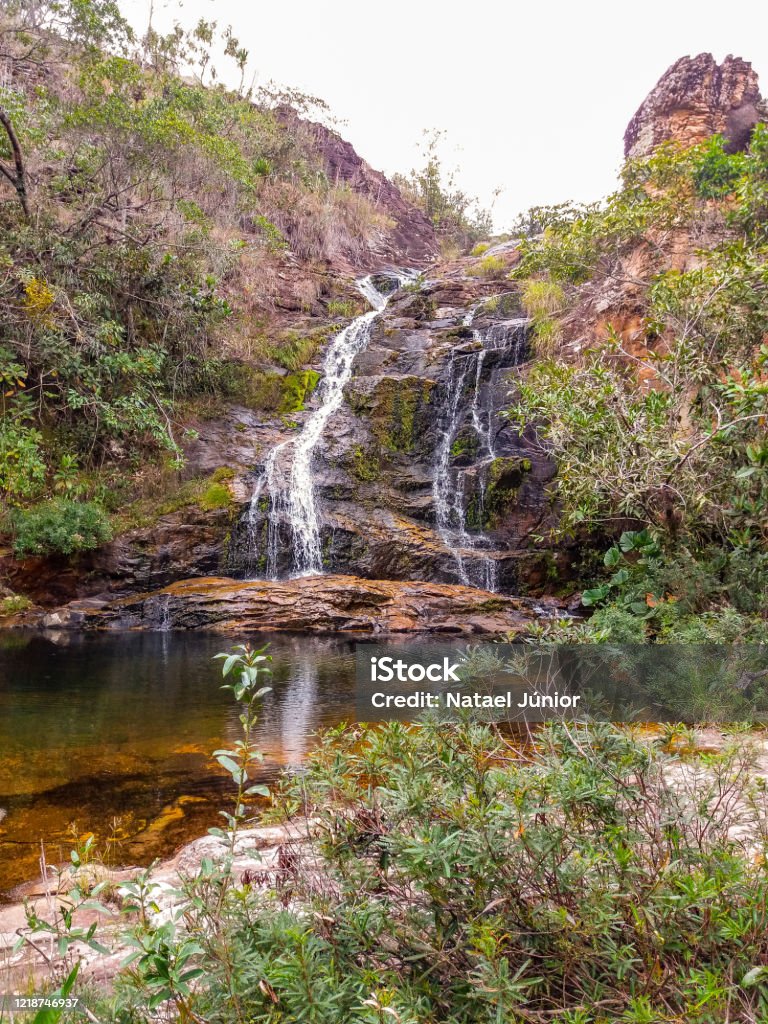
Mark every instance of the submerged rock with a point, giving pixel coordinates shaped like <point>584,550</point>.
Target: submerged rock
<point>310,604</point>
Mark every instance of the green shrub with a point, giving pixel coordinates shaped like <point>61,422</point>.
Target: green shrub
<point>480,249</point>
<point>60,526</point>
<point>14,604</point>
<point>715,172</point>
<point>343,308</point>
<point>490,267</point>
<point>217,495</point>
<point>22,462</point>
<point>542,301</point>
<point>455,881</point>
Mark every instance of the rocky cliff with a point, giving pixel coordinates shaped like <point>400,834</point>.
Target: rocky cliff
<point>418,475</point>
<point>694,99</point>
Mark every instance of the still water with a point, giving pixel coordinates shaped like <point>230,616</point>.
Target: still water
<point>112,734</point>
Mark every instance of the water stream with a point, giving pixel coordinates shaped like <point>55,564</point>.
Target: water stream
<point>286,481</point>
<point>113,734</point>
<point>475,562</point>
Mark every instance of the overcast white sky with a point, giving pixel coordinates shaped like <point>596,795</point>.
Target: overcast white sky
<point>534,96</point>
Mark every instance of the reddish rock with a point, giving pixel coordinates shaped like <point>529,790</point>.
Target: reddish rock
<point>311,604</point>
<point>694,99</point>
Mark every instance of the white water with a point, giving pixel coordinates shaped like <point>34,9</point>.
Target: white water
<point>287,477</point>
<point>473,568</point>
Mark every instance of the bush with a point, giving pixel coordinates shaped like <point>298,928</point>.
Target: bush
<point>460,883</point>
<point>14,604</point>
<point>715,172</point>
<point>218,495</point>
<point>490,267</point>
<point>60,526</point>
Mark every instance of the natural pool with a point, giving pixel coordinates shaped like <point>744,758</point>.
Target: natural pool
<point>112,734</point>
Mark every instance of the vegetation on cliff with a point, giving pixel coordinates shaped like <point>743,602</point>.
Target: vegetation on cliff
<point>650,320</point>
<point>147,220</point>
<point>458,219</point>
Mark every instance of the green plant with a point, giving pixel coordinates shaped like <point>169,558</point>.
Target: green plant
<point>457,217</point>
<point>248,667</point>
<point>491,267</point>
<point>217,495</point>
<point>543,301</point>
<point>342,308</point>
<point>14,604</point>
<point>452,879</point>
<point>59,526</point>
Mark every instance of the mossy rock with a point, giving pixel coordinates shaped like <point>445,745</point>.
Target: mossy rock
<point>419,306</point>
<point>465,446</point>
<point>297,389</point>
<point>282,393</point>
<point>461,333</point>
<point>209,493</point>
<point>396,410</point>
<point>293,349</point>
<point>216,495</point>
<point>505,306</point>
<point>505,476</point>
<point>366,464</point>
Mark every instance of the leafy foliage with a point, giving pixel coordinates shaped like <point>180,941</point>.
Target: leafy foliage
<point>666,434</point>
<point>454,880</point>
<point>59,526</point>
<point>156,210</point>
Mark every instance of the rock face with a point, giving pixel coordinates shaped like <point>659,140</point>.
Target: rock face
<point>437,375</point>
<point>419,475</point>
<point>312,604</point>
<point>696,98</point>
<point>411,239</point>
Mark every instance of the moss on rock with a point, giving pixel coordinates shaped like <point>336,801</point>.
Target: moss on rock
<point>366,465</point>
<point>394,410</point>
<point>281,393</point>
<point>505,475</point>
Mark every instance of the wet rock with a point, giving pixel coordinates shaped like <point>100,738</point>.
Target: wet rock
<point>313,604</point>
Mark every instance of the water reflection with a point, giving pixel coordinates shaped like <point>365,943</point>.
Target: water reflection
<point>112,734</point>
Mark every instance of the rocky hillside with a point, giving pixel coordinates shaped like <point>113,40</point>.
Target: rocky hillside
<point>503,417</point>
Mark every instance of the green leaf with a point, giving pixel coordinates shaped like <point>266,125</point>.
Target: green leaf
<point>51,1016</point>
<point>612,557</point>
<point>753,976</point>
<point>595,595</point>
<point>231,766</point>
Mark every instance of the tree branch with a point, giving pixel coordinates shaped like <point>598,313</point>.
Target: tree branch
<point>19,179</point>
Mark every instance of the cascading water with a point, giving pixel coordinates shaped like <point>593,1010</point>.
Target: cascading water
<point>473,566</point>
<point>286,482</point>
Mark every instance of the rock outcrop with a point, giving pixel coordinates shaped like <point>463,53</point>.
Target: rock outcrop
<point>439,370</point>
<point>374,468</point>
<point>311,604</point>
<point>694,99</point>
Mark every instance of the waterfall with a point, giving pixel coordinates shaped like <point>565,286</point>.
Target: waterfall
<point>473,568</point>
<point>286,482</point>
